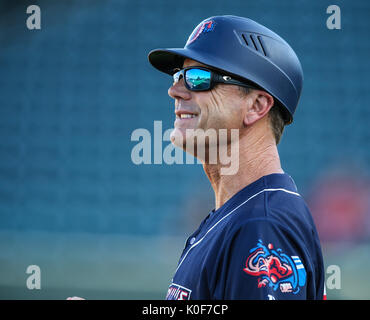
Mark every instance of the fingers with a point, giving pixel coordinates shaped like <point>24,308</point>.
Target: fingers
<point>75,298</point>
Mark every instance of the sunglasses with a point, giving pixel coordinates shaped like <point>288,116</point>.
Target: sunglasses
<point>203,79</point>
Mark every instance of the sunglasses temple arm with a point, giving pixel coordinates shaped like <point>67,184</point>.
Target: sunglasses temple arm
<point>221,79</point>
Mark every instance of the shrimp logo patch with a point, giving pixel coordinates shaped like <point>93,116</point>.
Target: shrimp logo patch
<point>275,269</point>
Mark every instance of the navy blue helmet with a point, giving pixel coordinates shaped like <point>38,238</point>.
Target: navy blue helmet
<point>245,50</point>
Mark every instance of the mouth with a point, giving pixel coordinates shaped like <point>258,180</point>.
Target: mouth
<point>184,114</point>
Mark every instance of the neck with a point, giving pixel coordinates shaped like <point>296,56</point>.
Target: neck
<point>257,158</point>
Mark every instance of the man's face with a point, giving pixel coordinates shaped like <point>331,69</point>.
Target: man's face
<point>223,107</point>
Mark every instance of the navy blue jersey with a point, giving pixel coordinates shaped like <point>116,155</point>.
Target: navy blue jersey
<point>261,244</point>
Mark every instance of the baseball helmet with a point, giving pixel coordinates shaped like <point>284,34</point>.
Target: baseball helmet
<point>245,50</point>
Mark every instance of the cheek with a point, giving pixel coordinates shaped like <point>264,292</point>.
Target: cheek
<point>220,108</point>
<point>226,111</point>
<point>205,105</point>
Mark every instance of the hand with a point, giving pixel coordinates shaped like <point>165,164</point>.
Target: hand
<point>75,298</point>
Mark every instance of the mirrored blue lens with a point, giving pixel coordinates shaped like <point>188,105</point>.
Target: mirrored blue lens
<point>198,79</point>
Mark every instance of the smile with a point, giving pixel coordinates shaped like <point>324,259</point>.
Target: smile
<point>186,116</point>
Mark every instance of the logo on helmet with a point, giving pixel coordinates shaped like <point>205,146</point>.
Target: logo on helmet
<point>203,27</point>
<point>275,269</point>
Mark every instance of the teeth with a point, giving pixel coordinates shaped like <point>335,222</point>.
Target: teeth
<point>186,116</point>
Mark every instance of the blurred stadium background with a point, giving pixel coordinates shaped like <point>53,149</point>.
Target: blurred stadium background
<point>99,226</point>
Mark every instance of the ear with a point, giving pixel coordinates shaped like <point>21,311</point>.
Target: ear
<point>261,104</point>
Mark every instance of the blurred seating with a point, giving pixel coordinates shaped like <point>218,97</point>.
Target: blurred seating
<point>72,94</point>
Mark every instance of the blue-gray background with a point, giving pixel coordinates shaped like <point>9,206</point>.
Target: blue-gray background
<point>71,94</point>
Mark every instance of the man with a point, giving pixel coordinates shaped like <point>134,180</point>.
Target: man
<point>260,241</point>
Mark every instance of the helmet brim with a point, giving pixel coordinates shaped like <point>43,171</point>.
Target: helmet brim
<point>166,60</point>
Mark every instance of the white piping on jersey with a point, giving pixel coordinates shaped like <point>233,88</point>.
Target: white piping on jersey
<point>201,239</point>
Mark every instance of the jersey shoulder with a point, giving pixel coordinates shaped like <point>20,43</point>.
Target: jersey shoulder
<point>282,206</point>
<point>282,213</point>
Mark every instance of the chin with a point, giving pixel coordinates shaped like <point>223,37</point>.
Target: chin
<point>194,142</point>
<point>183,138</point>
<point>178,137</point>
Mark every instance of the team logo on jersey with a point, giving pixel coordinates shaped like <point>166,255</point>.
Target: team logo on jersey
<point>177,292</point>
<point>203,27</point>
<point>275,269</point>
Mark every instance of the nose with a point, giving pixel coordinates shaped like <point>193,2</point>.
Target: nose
<point>179,91</point>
